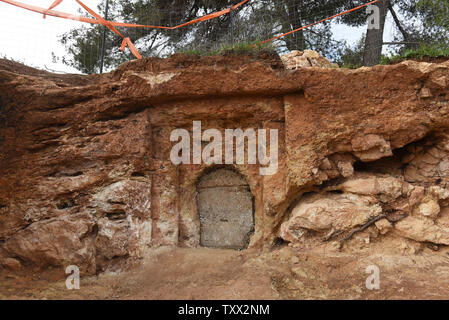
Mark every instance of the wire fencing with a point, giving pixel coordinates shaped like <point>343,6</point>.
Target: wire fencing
<point>251,23</point>
<point>59,44</point>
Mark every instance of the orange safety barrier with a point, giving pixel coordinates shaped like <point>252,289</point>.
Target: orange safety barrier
<point>54,4</point>
<point>111,25</point>
<point>312,24</point>
<point>59,14</point>
<point>127,41</point>
<point>52,13</point>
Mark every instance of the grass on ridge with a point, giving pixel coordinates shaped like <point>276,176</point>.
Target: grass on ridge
<point>424,51</point>
<point>241,48</point>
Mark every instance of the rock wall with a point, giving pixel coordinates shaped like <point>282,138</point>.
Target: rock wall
<point>86,177</point>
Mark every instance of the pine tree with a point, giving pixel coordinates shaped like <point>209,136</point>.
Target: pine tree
<point>256,21</point>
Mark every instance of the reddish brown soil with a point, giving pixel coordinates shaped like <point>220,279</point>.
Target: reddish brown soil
<point>285,273</point>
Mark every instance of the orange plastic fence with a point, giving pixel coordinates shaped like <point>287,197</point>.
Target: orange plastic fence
<point>48,12</point>
<point>59,14</point>
<point>329,18</point>
<point>111,25</point>
<point>127,41</point>
<point>54,4</point>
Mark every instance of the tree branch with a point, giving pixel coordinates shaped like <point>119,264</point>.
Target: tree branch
<point>398,23</point>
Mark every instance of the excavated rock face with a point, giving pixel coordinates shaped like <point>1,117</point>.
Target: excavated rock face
<point>86,177</point>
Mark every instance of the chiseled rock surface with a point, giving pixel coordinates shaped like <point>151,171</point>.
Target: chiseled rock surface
<point>67,240</point>
<point>86,176</point>
<point>371,147</point>
<point>325,212</point>
<point>423,230</point>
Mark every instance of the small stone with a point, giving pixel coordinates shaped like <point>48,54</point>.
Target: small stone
<point>441,81</point>
<point>390,186</point>
<point>12,264</point>
<point>383,225</point>
<point>416,195</point>
<point>371,147</point>
<point>365,186</point>
<point>326,164</point>
<point>429,208</point>
<point>425,93</point>
<point>440,193</point>
<point>295,259</point>
<point>346,169</point>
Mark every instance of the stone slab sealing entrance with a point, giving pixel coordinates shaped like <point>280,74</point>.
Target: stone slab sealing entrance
<point>226,210</point>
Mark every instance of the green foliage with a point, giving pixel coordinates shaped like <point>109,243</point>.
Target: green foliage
<point>422,52</point>
<point>425,21</point>
<point>241,48</point>
<point>436,10</point>
<point>352,57</point>
<point>194,52</point>
<point>287,15</point>
<point>83,45</point>
<point>260,19</point>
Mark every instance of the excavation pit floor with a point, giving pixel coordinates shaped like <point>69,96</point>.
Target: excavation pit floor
<point>283,273</point>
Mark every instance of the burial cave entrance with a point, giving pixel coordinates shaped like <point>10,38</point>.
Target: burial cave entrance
<point>226,210</point>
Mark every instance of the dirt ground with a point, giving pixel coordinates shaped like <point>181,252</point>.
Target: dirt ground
<point>284,273</point>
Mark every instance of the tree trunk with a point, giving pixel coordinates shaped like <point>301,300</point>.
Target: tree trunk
<point>374,38</point>
<point>296,41</point>
<point>291,19</point>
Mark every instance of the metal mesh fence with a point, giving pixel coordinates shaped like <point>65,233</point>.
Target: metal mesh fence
<point>59,44</point>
